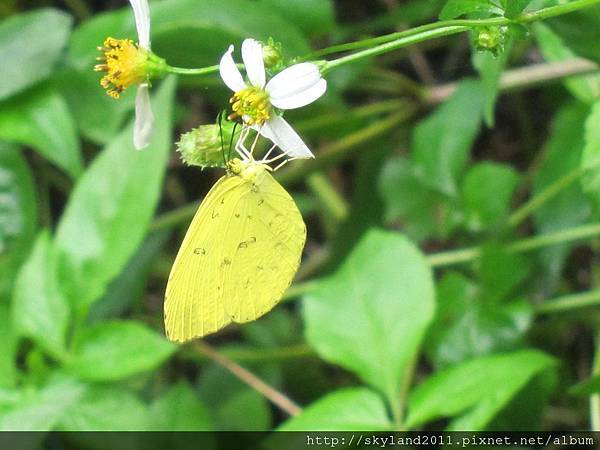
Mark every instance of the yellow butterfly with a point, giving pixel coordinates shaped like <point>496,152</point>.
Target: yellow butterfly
<point>239,255</point>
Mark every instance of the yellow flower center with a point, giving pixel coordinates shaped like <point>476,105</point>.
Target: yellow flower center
<point>124,63</point>
<point>252,105</point>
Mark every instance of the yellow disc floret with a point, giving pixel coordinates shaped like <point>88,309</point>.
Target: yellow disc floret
<point>125,65</point>
<point>252,105</point>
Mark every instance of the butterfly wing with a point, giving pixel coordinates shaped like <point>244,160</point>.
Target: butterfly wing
<point>194,304</point>
<point>265,242</point>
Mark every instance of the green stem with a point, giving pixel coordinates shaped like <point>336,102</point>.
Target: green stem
<point>569,302</point>
<point>393,41</point>
<point>299,289</point>
<point>79,7</point>
<point>547,194</point>
<point>202,71</point>
<point>393,45</point>
<point>333,203</point>
<point>469,254</point>
<point>343,148</point>
<point>453,257</point>
<point>398,407</point>
<point>174,218</point>
<point>595,398</point>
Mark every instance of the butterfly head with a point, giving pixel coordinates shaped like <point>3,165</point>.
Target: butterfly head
<point>249,170</point>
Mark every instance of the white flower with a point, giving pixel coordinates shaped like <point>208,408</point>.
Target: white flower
<point>255,101</point>
<point>144,118</point>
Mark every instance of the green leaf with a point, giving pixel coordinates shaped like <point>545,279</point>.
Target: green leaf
<point>130,286</point>
<point>111,207</point>
<point>107,408</point>
<point>441,143</point>
<point>116,350</point>
<point>41,119</point>
<point>585,87</point>
<point>313,17</point>
<point>490,68</point>
<point>39,310</point>
<point>587,387</point>
<point>44,408</point>
<point>234,406</point>
<point>579,31</point>
<point>8,369</point>
<point>18,214</point>
<point>207,29</point>
<point>98,116</point>
<point>500,272</point>
<point>512,8</point>
<point>570,207</point>
<point>423,212</point>
<point>30,45</point>
<point>180,409</point>
<point>487,192</point>
<point>590,159</point>
<point>456,8</point>
<point>468,326</point>
<point>475,391</point>
<point>370,316</point>
<point>528,409</point>
<point>350,409</point>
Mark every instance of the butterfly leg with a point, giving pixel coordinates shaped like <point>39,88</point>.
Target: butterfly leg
<point>284,163</point>
<point>273,147</point>
<point>239,146</point>
<point>254,142</point>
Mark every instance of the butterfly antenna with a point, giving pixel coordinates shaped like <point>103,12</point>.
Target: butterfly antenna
<point>220,120</point>
<point>231,140</point>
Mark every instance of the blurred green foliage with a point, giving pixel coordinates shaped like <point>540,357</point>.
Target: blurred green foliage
<point>381,336</point>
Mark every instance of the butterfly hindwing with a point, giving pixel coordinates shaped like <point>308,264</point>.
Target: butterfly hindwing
<point>193,299</point>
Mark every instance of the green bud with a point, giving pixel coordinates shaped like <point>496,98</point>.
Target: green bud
<point>207,145</point>
<point>490,39</point>
<point>272,54</point>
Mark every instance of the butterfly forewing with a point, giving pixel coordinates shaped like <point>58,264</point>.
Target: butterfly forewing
<point>266,242</point>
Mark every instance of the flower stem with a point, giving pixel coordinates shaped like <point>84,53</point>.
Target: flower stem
<point>202,71</point>
<point>393,41</point>
<point>393,45</point>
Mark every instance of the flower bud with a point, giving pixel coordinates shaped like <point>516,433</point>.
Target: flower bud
<point>207,145</point>
<point>490,39</point>
<point>272,54</point>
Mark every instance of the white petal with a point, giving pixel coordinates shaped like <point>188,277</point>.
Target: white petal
<point>302,98</point>
<point>293,80</point>
<point>141,11</point>
<point>252,55</point>
<point>230,73</point>
<point>284,136</point>
<point>144,118</point>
